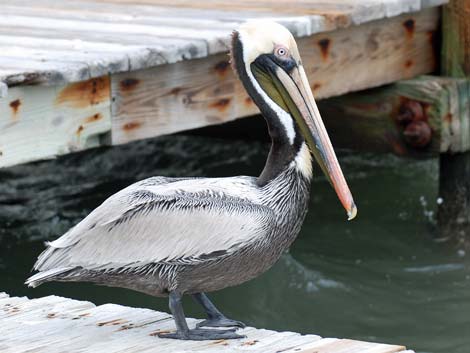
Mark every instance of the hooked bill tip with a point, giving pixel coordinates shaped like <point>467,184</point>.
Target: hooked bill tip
<point>352,212</point>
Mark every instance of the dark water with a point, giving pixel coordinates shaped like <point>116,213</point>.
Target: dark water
<point>378,278</point>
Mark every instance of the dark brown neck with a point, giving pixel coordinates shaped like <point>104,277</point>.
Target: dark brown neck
<point>283,149</point>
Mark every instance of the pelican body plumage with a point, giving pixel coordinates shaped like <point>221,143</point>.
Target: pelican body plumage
<point>189,236</point>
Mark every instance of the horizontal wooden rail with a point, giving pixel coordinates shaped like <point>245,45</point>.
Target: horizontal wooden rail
<point>38,122</point>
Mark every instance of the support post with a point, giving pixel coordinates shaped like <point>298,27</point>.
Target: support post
<point>454,184</point>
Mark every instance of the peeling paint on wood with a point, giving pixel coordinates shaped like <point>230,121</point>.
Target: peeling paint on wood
<point>86,93</point>
<point>50,121</point>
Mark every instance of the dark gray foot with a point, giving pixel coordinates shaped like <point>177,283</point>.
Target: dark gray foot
<point>214,317</point>
<point>221,321</point>
<point>199,334</point>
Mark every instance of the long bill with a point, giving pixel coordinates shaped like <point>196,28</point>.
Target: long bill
<point>297,95</point>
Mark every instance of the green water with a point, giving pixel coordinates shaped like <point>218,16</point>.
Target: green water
<point>381,277</point>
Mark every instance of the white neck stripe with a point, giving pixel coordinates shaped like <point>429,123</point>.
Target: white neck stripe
<point>284,117</point>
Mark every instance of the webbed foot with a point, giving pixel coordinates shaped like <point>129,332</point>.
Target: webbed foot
<point>199,334</point>
<point>220,321</point>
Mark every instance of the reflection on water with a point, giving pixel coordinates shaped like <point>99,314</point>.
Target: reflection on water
<point>380,277</point>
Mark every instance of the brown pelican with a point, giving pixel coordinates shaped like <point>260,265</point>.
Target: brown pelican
<point>175,236</point>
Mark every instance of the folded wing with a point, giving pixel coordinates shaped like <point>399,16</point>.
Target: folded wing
<point>138,226</point>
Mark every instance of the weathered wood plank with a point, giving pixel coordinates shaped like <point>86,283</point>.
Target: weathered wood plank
<point>349,346</point>
<point>204,28</point>
<point>342,13</point>
<point>53,324</point>
<point>191,94</point>
<point>42,122</point>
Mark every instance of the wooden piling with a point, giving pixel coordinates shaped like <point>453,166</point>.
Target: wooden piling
<point>454,185</point>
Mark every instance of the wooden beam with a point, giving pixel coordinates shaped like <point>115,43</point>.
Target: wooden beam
<point>454,180</point>
<point>42,122</point>
<point>419,117</point>
<point>201,92</point>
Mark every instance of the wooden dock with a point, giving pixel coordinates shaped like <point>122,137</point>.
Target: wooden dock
<point>54,324</point>
<point>81,74</point>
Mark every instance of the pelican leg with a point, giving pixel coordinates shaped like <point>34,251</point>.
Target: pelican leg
<point>214,317</point>
<point>182,330</point>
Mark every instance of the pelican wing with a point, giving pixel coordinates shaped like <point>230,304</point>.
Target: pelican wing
<point>159,223</point>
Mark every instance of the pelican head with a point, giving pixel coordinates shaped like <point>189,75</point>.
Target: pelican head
<point>267,60</point>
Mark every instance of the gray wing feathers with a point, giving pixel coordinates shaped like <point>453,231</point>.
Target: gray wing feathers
<point>137,227</point>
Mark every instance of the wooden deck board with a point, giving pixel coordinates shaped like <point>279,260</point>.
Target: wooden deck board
<point>55,324</point>
<point>166,64</point>
<point>209,22</point>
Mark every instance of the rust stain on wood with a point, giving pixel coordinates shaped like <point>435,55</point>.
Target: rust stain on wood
<point>80,129</point>
<point>94,118</point>
<point>114,322</point>
<point>409,25</point>
<point>15,106</point>
<point>131,126</point>
<point>85,93</point>
<point>221,342</point>
<point>221,67</point>
<point>222,104</point>
<point>157,332</point>
<point>250,343</point>
<point>175,91</point>
<point>324,45</point>
<point>316,86</point>
<point>129,84</point>
<point>248,101</point>
<point>408,63</point>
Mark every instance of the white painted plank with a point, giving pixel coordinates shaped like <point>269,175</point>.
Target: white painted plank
<point>3,85</point>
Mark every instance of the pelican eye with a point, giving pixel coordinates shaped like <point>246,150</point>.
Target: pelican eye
<point>281,52</point>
